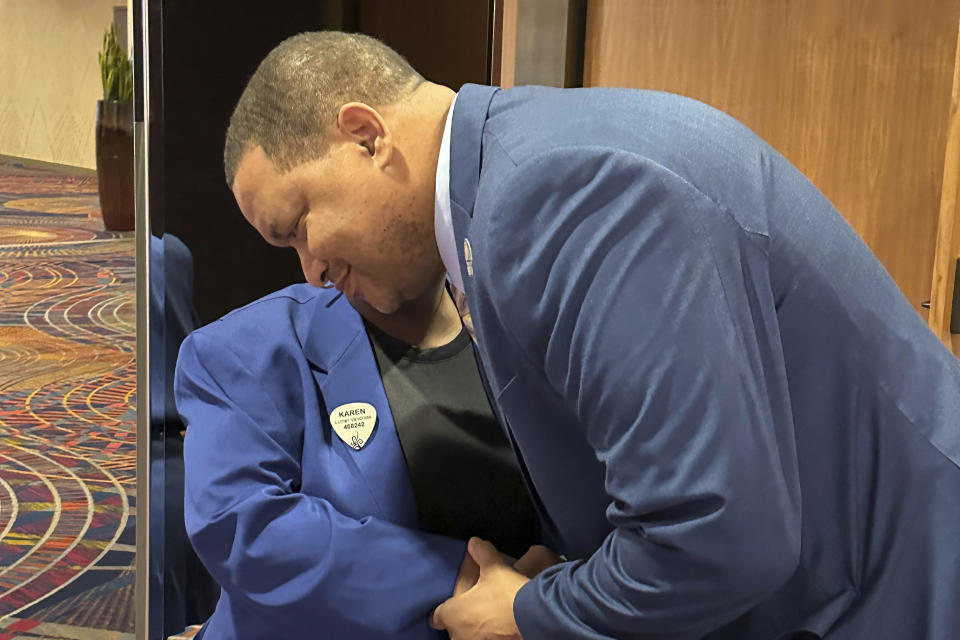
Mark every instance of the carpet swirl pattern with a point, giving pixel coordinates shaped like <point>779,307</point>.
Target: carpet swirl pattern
<point>67,411</point>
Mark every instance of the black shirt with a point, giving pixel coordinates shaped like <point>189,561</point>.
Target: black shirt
<point>465,475</point>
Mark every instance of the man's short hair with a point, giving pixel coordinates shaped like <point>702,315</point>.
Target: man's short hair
<point>298,89</point>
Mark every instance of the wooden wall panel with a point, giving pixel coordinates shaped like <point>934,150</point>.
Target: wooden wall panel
<point>448,42</point>
<point>948,232</point>
<point>855,93</point>
<point>505,55</point>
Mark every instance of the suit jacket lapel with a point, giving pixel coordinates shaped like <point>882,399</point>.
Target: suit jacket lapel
<point>346,371</point>
<point>466,137</point>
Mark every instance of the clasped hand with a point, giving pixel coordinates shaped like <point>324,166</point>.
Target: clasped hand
<point>481,607</point>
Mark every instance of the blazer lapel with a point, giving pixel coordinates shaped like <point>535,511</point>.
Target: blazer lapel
<point>353,376</point>
<point>466,137</point>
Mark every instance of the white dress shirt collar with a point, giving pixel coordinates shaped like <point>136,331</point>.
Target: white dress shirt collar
<point>442,216</point>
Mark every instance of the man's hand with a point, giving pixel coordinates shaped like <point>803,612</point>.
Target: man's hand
<point>536,559</point>
<point>469,573</point>
<point>484,612</point>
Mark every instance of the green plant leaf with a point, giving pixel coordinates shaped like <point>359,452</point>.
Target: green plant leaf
<point>116,71</point>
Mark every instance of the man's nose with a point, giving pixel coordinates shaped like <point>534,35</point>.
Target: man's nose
<point>312,268</point>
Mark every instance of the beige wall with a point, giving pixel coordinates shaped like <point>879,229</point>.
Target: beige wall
<point>49,79</point>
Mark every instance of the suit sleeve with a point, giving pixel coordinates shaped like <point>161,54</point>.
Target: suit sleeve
<point>625,285</point>
<point>293,560</point>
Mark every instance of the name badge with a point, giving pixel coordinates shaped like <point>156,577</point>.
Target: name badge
<point>354,422</point>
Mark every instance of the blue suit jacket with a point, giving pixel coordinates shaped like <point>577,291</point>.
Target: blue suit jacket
<point>308,537</point>
<point>734,420</point>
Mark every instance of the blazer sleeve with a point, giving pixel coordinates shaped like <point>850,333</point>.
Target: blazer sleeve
<point>292,563</point>
<point>629,289</point>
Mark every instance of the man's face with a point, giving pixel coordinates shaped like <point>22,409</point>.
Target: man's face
<point>365,228</point>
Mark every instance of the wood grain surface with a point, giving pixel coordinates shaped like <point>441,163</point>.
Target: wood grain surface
<point>855,93</point>
<point>948,233</point>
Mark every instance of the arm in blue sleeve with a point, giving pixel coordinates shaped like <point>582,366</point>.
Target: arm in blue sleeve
<point>655,332</point>
<point>292,558</point>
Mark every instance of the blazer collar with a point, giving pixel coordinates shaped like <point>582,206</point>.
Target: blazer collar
<point>466,138</point>
<point>469,118</point>
<point>345,370</point>
<point>333,325</point>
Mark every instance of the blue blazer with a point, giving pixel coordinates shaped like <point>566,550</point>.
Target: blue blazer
<point>307,537</point>
<point>737,424</point>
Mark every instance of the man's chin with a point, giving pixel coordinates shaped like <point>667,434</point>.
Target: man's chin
<point>383,307</point>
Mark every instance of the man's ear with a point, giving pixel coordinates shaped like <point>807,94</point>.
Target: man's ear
<point>361,124</point>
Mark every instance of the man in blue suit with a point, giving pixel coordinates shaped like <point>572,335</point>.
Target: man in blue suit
<point>734,423</point>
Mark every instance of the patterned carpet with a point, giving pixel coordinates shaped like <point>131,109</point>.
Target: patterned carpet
<point>67,412</point>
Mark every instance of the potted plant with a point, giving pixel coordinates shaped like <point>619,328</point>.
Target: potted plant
<point>114,136</point>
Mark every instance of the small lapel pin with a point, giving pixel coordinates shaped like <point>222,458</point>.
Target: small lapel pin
<point>468,256</point>
<point>354,422</point>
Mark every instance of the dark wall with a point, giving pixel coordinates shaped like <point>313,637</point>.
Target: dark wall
<point>209,50</point>
<point>447,41</point>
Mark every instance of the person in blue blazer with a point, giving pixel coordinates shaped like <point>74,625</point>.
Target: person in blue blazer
<point>312,534</point>
<point>734,423</point>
